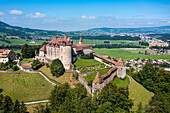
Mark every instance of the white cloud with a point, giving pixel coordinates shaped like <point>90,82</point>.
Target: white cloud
<point>150,23</point>
<point>14,17</point>
<point>168,22</point>
<point>88,17</point>
<point>36,15</point>
<point>16,12</point>
<point>84,17</point>
<point>1,13</point>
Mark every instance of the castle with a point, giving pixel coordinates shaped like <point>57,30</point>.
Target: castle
<point>64,49</point>
<point>100,81</point>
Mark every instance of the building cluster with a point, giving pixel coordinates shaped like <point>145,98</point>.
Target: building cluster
<point>137,64</point>
<point>6,55</point>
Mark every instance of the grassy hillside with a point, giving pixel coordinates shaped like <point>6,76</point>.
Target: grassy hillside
<point>128,54</point>
<point>86,62</point>
<point>25,87</point>
<point>139,94</point>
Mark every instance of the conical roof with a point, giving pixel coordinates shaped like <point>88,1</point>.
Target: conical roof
<point>81,40</point>
<point>120,62</point>
<point>98,78</point>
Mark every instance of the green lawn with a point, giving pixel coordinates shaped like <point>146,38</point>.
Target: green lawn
<point>26,86</point>
<point>128,54</point>
<point>21,42</point>
<point>26,59</point>
<point>17,51</point>
<point>121,82</point>
<point>91,76</point>
<point>139,94</point>
<point>86,62</point>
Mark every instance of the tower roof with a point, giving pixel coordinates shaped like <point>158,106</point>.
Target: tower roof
<point>98,78</point>
<point>120,62</point>
<point>81,40</point>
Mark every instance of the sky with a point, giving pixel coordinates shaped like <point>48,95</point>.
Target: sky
<point>73,15</point>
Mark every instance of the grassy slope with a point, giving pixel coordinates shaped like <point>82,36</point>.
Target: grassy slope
<point>86,62</point>
<point>25,87</point>
<point>139,94</point>
<point>66,77</point>
<point>126,54</point>
<point>120,82</point>
<point>92,75</point>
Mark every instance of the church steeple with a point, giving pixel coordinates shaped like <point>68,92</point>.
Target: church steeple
<point>81,40</point>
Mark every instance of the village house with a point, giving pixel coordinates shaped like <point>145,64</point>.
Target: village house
<point>5,55</point>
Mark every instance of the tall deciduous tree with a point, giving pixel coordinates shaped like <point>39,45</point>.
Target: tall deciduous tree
<point>57,68</point>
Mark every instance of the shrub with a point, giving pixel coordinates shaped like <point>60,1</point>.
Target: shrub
<point>75,75</point>
<point>15,68</point>
<point>88,56</point>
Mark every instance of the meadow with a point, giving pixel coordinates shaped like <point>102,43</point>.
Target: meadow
<point>25,86</point>
<point>139,94</point>
<point>86,62</point>
<point>128,54</point>
<point>120,82</point>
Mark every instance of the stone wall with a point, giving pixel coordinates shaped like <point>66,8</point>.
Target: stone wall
<point>85,83</point>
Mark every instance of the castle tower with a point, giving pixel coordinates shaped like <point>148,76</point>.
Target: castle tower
<point>81,40</point>
<point>121,72</point>
<point>96,82</point>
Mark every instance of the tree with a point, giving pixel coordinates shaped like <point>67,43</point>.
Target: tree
<point>44,43</point>
<point>140,109</point>
<point>57,68</point>
<point>36,64</point>
<point>16,108</point>
<point>8,104</point>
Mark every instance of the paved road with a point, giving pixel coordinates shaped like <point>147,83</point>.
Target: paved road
<point>36,102</point>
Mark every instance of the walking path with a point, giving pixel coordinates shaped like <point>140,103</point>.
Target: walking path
<point>45,76</point>
<point>37,102</point>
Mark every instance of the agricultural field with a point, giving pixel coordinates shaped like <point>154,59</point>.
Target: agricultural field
<point>25,86</point>
<point>128,54</point>
<point>139,94</point>
<point>88,41</point>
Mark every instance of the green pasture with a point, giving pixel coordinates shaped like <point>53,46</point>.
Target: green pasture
<point>128,54</point>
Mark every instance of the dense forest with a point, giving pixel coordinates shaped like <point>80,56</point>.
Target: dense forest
<point>155,80</point>
<point>107,37</point>
<point>67,100</point>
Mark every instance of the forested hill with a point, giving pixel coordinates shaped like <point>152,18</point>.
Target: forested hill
<point>162,29</point>
<point>23,33</point>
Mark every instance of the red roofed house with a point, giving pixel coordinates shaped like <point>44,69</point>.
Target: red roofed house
<point>5,55</point>
<point>64,49</point>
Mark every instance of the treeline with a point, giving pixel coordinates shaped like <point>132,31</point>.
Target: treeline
<point>155,80</point>
<point>75,100</point>
<point>143,43</point>
<point>163,37</point>
<point>106,37</point>
<point>7,105</point>
<point>7,41</point>
<point>159,47</point>
<point>116,46</point>
<point>10,46</point>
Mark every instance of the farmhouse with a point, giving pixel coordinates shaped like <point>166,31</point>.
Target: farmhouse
<point>64,49</point>
<point>5,55</point>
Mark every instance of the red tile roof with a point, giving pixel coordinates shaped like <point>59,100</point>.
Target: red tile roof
<point>81,40</point>
<point>120,62</point>
<point>43,48</point>
<point>109,72</point>
<point>109,60</point>
<point>27,66</point>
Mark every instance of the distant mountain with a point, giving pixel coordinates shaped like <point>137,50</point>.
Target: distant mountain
<point>162,29</point>
<point>8,30</point>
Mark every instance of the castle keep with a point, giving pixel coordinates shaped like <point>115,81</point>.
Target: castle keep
<point>64,49</point>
